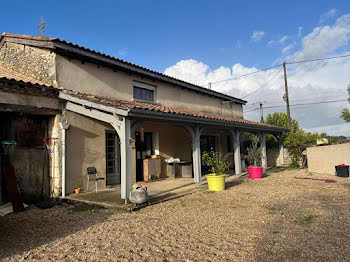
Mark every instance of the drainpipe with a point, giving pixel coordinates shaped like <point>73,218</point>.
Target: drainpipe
<point>63,126</point>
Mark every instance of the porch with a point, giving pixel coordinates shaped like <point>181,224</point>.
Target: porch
<point>160,190</point>
<point>171,133</point>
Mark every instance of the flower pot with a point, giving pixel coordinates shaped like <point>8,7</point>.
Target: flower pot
<point>77,190</point>
<point>255,172</point>
<point>216,182</point>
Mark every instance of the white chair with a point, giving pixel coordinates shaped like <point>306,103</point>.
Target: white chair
<point>93,176</point>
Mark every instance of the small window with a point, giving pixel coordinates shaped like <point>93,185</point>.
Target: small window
<point>144,92</point>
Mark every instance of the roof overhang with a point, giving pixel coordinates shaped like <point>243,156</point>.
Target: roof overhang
<point>85,54</point>
<point>169,117</point>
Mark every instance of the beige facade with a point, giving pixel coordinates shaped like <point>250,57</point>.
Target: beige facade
<point>92,79</point>
<point>323,159</point>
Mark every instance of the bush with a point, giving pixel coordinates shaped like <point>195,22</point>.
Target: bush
<point>254,151</point>
<point>217,163</point>
<point>293,165</point>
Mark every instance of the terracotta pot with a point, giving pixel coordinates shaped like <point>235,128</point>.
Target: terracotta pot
<point>77,190</point>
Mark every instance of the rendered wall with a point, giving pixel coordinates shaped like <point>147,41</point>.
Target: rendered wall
<point>98,80</point>
<point>322,159</point>
<point>85,146</point>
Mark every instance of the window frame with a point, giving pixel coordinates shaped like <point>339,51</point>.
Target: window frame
<point>147,87</point>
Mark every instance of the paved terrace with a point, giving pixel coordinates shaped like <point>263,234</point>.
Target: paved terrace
<point>158,191</point>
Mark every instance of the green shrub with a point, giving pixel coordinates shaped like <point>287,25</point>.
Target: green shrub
<point>294,165</point>
<point>217,163</point>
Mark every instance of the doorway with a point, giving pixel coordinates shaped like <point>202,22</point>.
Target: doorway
<point>144,149</point>
<point>208,143</point>
<point>112,158</point>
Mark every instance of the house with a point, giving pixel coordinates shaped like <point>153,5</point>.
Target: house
<point>111,114</point>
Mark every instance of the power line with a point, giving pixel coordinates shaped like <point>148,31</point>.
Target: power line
<point>292,100</point>
<point>248,74</point>
<point>288,63</point>
<point>305,104</point>
<point>264,84</point>
<point>317,59</point>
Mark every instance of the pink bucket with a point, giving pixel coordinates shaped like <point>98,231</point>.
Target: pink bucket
<point>255,172</point>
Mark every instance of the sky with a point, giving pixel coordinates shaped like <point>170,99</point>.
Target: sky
<point>210,41</point>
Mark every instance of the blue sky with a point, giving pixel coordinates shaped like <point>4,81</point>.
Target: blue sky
<point>158,34</point>
<point>201,41</point>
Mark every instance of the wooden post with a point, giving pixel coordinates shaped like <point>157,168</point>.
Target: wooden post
<point>237,152</point>
<point>286,95</point>
<point>263,149</point>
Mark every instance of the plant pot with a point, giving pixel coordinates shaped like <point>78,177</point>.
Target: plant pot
<point>255,172</point>
<point>216,182</point>
<point>77,190</point>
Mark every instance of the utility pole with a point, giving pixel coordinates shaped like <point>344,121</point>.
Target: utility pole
<point>286,97</point>
<point>261,113</point>
<point>209,85</point>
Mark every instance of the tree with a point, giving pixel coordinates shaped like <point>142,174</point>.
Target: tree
<point>279,119</point>
<point>345,113</point>
<point>295,140</point>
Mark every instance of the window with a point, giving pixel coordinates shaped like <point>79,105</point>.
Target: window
<point>144,92</point>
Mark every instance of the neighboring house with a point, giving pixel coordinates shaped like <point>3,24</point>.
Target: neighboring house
<point>117,113</point>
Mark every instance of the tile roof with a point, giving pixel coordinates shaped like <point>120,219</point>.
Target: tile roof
<point>29,85</point>
<point>10,74</point>
<point>125,104</point>
<point>179,81</point>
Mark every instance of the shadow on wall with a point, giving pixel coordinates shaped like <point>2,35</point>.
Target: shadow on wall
<point>80,155</point>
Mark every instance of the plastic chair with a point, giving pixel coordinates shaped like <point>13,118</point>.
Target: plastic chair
<point>91,171</point>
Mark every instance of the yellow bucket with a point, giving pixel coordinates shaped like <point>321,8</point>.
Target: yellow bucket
<point>216,183</point>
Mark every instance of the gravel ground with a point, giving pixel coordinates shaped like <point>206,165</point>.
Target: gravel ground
<point>277,218</point>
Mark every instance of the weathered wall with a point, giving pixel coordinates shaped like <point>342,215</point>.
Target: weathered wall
<point>34,62</point>
<point>29,158</point>
<point>322,159</point>
<point>31,169</point>
<point>85,146</point>
<point>93,79</point>
<point>273,157</point>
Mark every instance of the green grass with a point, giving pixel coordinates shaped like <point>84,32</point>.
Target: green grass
<point>119,211</point>
<point>307,220</point>
<point>85,208</point>
<point>275,232</point>
<point>310,174</point>
<point>273,210</point>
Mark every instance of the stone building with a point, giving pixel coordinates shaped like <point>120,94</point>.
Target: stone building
<point>110,114</point>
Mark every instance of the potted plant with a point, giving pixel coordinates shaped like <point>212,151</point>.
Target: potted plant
<point>218,165</point>
<point>254,156</point>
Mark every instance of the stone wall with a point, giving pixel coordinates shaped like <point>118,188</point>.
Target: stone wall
<point>34,62</point>
<point>273,157</point>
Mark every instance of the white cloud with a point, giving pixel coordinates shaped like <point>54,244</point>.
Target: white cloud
<point>271,42</point>
<point>288,48</point>
<point>257,36</point>
<point>300,31</point>
<point>325,39</point>
<point>328,15</point>
<point>310,82</point>
<point>283,39</point>
<point>122,52</point>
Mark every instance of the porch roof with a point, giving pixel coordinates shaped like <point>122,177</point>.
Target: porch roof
<point>155,111</point>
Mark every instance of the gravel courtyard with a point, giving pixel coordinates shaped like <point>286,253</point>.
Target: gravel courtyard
<point>277,218</point>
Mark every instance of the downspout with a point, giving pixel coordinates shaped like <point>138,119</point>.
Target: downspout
<point>63,125</point>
